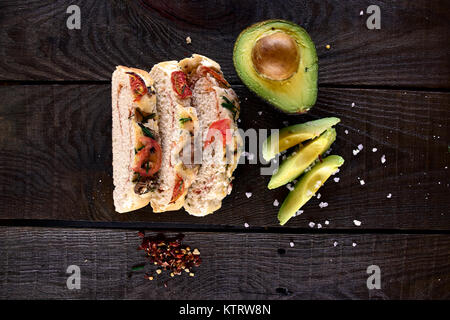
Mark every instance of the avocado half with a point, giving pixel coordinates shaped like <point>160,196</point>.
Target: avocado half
<point>277,60</point>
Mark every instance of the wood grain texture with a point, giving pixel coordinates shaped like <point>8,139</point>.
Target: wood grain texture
<point>410,49</point>
<point>55,160</point>
<point>235,266</point>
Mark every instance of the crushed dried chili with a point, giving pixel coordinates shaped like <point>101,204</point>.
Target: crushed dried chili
<point>169,253</point>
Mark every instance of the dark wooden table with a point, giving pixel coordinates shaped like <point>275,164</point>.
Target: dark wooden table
<point>390,87</point>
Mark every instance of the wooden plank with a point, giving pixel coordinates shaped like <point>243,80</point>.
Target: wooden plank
<point>55,160</point>
<point>410,49</point>
<point>235,266</point>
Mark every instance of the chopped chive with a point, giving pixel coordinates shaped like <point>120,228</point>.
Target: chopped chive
<point>138,267</point>
<point>184,120</point>
<point>230,106</point>
<point>146,131</point>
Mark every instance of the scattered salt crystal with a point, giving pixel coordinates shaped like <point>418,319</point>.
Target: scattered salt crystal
<point>259,112</point>
<point>318,196</point>
<point>374,149</point>
<point>362,182</point>
<point>312,224</point>
<point>360,147</point>
<point>299,212</point>
<point>276,203</point>
<point>336,179</point>
<point>327,222</point>
<point>246,225</point>
<point>248,194</point>
<point>239,120</point>
<point>319,226</point>
<point>383,158</point>
<point>291,244</point>
<point>188,40</point>
<point>335,243</point>
<point>389,195</point>
<point>357,223</point>
<point>355,152</point>
<point>285,123</point>
<point>354,244</point>
<point>250,156</point>
<point>353,104</point>
<point>323,204</point>
<point>346,131</point>
<point>361,13</point>
<point>290,187</point>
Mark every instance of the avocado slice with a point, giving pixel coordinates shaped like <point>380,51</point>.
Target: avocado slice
<point>294,166</point>
<point>307,186</point>
<point>277,60</point>
<point>293,135</point>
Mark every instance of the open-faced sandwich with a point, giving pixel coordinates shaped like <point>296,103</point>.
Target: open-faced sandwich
<point>186,127</point>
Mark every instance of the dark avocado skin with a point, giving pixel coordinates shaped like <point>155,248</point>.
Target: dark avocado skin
<point>294,95</point>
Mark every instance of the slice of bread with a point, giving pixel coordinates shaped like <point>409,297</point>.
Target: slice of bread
<point>126,132</point>
<point>209,92</point>
<point>177,124</point>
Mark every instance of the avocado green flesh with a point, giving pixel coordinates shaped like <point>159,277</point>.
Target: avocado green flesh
<point>296,94</point>
<point>293,135</point>
<point>294,166</point>
<point>307,186</point>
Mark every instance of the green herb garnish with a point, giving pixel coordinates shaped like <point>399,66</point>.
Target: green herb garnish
<point>146,131</point>
<point>138,267</point>
<point>184,120</point>
<point>230,106</point>
<point>145,118</point>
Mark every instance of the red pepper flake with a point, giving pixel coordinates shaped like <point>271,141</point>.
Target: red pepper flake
<point>320,158</point>
<point>170,253</point>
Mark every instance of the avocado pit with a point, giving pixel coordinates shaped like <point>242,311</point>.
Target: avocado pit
<point>276,56</point>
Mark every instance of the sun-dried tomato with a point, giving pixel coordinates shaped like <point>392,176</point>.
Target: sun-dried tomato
<point>178,190</point>
<point>223,126</point>
<point>180,85</point>
<point>148,158</point>
<point>205,70</point>
<point>137,86</point>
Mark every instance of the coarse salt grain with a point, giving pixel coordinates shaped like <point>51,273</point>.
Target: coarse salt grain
<point>276,203</point>
<point>290,187</point>
<point>323,204</point>
<point>248,194</point>
<point>357,223</point>
<point>299,212</point>
<point>346,131</point>
<point>361,13</point>
<point>188,40</point>
<point>336,179</point>
<point>318,196</point>
<point>389,195</point>
<point>327,222</point>
<point>353,104</point>
<point>259,112</point>
<point>319,226</point>
<point>360,147</point>
<point>335,244</point>
<point>362,182</point>
<point>383,158</point>
<point>354,244</point>
<point>312,224</point>
<point>291,244</point>
<point>374,149</point>
<point>246,225</point>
